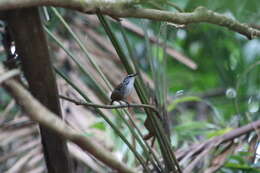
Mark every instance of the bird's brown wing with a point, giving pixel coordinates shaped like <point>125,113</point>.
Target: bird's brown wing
<point>119,87</point>
<point>116,94</point>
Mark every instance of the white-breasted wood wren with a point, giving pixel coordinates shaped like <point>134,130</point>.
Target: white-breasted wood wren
<point>124,89</point>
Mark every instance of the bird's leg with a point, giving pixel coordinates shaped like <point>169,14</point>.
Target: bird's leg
<point>153,140</point>
<point>120,102</point>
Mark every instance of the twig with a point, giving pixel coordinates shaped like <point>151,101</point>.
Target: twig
<point>216,141</point>
<point>37,112</point>
<point>109,106</point>
<point>169,50</point>
<point>123,9</point>
<point>8,74</point>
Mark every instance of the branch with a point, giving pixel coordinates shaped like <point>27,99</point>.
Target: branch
<point>169,50</point>
<point>235,133</point>
<point>215,142</point>
<point>9,74</point>
<point>121,8</point>
<point>200,14</point>
<point>239,132</point>
<point>43,116</point>
<point>110,106</point>
<point>36,62</point>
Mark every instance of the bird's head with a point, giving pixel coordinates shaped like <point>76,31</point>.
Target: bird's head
<point>130,77</point>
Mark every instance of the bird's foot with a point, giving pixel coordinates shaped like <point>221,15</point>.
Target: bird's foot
<point>126,103</point>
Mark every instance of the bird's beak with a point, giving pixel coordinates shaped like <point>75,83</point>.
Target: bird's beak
<point>135,74</point>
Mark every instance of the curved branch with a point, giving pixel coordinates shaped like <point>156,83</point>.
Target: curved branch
<point>8,74</point>
<point>37,112</point>
<point>120,8</point>
<point>110,106</point>
<point>200,14</point>
<point>203,148</point>
<point>216,141</point>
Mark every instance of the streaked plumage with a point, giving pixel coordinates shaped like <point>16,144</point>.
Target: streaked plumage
<point>124,89</point>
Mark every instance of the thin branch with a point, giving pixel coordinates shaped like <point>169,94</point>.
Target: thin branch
<point>121,8</point>
<point>199,15</point>
<point>216,141</point>
<point>169,50</point>
<point>109,106</point>
<point>9,74</point>
<point>37,112</point>
<point>239,131</point>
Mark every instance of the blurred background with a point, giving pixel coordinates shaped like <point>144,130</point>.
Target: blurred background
<point>206,77</point>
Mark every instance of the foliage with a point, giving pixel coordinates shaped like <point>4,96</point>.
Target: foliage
<point>220,95</point>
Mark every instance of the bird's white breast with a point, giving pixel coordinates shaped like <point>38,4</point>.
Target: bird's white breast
<point>129,87</point>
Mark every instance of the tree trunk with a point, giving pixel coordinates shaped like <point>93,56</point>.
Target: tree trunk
<point>31,45</point>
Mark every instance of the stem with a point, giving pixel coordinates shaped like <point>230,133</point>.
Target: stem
<point>123,9</point>
<point>109,106</point>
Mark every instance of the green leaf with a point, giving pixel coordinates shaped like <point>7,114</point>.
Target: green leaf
<point>193,125</point>
<point>175,102</point>
<point>99,125</point>
<point>241,167</point>
<point>219,132</point>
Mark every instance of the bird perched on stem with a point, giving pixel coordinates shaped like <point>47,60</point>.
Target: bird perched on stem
<point>124,89</point>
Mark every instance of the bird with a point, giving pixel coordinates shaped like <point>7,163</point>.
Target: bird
<point>124,89</point>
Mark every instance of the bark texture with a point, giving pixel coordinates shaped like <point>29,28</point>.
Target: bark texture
<point>31,45</point>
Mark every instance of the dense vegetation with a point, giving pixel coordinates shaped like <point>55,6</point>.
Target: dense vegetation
<point>203,79</point>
